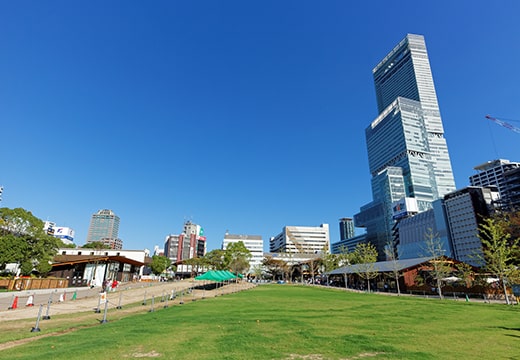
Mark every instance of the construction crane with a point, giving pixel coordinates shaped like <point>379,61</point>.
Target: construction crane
<point>503,123</point>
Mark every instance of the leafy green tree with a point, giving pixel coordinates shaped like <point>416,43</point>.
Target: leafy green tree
<point>159,264</point>
<point>214,259</point>
<point>366,256</point>
<point>98,245</point>
<point>498,251</point>
<point>23,240</point>
<point>466,273</point>
<point>330,262</point>
<point>237,256</point>
<point>44,267</point>
<point>69,246</point>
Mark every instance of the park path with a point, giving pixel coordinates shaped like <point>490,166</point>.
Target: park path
<point>76,300</point>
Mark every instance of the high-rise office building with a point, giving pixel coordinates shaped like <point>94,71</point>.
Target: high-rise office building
<point>253,243</point>
<point>302,240</point>
<point>104,227</point>
<point>190,244</point>
<point>346,228</point>
<point>407,151</point>
<point>500,173</point>
<point>466,210</point>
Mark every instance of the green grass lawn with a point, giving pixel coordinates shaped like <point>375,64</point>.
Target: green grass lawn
<point>295,322</point>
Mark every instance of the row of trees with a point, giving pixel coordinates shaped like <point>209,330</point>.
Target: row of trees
<point>235,258</point>
<point>500,257</point>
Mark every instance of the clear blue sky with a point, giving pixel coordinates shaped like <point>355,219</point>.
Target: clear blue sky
<point>237,115</point>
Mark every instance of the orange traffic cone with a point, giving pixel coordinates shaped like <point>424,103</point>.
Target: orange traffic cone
<point>30,301</point>
<point>15,303</point>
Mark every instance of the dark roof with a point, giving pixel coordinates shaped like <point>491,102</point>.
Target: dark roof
<point>77,259</point>
<point>382,266</point>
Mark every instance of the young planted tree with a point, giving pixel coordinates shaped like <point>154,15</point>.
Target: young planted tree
<point>391,255</point>
<point>441,267</point>
<point>366,256</point>
<point>466,273</point>
<point>498,251</point>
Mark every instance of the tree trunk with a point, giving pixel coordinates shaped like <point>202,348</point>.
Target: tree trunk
<point>439,288</point>
<point>505,290</point>
<point>397,284</point>
<point>346,280</point>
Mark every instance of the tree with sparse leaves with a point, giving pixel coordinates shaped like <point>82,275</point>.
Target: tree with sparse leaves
<point>276,268</point>
<point>441,267</point>
<point>498,251</point>
<point>391,255</point>
<point>366,257</point>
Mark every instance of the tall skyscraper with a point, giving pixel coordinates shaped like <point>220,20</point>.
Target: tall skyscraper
<point>407,151</point>
<point>104,227</point>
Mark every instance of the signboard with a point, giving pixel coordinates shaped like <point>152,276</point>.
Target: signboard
<point>404,207</point>
<point>64,231</point>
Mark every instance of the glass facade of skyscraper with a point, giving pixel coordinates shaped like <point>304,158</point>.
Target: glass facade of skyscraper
<point>407,151</point>
<point>103,225</point>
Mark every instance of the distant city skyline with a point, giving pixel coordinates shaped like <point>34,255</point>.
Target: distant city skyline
<point>237,116</point>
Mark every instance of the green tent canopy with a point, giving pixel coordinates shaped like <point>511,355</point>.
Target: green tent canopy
<point>216,275</point>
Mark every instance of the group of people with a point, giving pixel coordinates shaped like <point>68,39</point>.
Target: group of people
<point>110,285</point>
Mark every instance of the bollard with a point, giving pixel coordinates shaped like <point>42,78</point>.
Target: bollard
<point>166,303</point>
<point>162,297</point>
<point>36,328</point>
<point>98,309</point>
<point>153,300</point>
<point>182,298</point>
<point>105,312</point>
<point>144,299</point>
<point>120,297</point>
<point>173,295</point>
<point>47,317</point>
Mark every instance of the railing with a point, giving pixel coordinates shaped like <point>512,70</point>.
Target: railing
<point>32,284</point>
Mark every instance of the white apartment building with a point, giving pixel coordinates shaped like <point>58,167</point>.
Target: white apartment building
<point>302,240</point>
<point>253,243</point>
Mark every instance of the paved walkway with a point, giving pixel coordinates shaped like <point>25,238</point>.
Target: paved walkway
<point>74,300</point>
